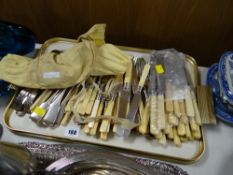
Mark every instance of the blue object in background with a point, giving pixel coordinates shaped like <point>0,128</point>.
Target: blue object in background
<point>15,39</point>
<point>221,109</point>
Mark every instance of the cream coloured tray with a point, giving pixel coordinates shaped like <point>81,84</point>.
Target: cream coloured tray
<point>136,144</point>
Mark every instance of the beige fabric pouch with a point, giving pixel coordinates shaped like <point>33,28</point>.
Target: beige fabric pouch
<point>91,56</point>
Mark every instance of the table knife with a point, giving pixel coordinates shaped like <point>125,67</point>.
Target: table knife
<point>62,106</point>
<point>194,99</point>
<point>124,98</point>
<point>153,97</point>
<point>161,90</point>
<point>136,98</point>
<point>96,103</point>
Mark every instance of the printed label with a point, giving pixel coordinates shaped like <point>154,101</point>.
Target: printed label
<point>159,69</point>
<point>39,111</point>
<point>51,75</point>
<point>72,132</point>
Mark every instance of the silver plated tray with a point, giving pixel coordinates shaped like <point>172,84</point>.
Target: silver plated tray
<point>89,159</point>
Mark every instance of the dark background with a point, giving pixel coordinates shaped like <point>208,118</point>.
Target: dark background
<point>200,28</point>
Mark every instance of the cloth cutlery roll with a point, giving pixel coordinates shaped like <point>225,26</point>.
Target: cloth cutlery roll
<point>88,57</point>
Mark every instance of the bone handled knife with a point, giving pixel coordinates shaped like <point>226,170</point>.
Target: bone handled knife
<point>124,98</point>
<point>136,98</point>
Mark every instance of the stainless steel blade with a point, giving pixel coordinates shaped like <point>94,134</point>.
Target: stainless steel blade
<point>124,99</point>
<point>160,77</point>
<point>139,65</point>
<point>134,106</point>
<point>124,96</point>
<point>62,107</point>
<point>137,98</point>
<point>134,79</point>
<point>152,76</point>
<point>115,90</point>
<point>133,111</point>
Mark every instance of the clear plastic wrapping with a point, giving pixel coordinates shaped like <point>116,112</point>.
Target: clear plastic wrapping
<point>168,74</point>
<point>176,82</point>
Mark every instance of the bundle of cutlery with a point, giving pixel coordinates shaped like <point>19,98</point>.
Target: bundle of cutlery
<point>154,97</point>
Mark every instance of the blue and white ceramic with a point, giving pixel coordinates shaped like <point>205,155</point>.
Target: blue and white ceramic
<point>223,110</point>
<point>225,70</point>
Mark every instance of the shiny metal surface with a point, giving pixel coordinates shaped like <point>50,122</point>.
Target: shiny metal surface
<point>133,110</point>
<point>91,159</point>
<point>53,110</point>
<point>45,105</point>
<point>23,100</point>
<point>160,77</point>
<point>136,72</point>
<point>15,159</point>
<point>62,106</point>
<point>139,64</point>
<point>99,163</point>
<point>124,96</point>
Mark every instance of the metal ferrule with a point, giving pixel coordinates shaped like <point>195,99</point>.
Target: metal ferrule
<point>126,86</point>
<point>139,88</point>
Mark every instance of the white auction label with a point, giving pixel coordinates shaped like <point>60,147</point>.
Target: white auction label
<point>51,75</point>
<point>72,131</point>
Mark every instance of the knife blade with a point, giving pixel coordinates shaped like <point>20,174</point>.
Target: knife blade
<point>135,75</point>
<point>136,98</point>
<point>124,98</point>
<point>160,76</point>
<point>137,71</point>
<point>62,106</point>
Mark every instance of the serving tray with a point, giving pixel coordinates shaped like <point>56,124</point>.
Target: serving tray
<point>136,144</point>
